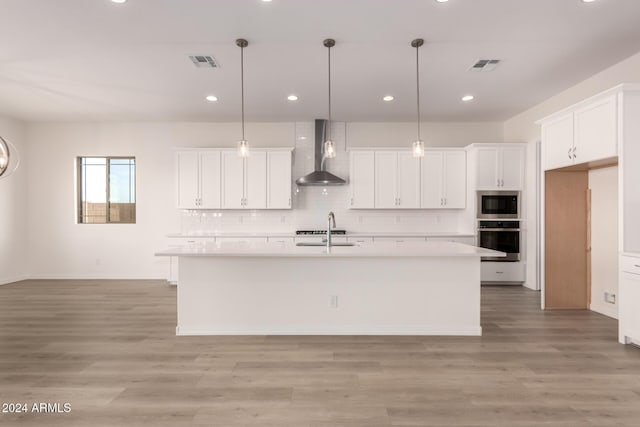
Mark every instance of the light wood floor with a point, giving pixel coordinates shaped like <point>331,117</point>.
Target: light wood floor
<point>109,349</point>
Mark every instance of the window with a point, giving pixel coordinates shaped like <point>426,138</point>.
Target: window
<point>106,190</point>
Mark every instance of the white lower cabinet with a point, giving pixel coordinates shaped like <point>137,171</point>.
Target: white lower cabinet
<point>501,272</point>
<point>629,300</point>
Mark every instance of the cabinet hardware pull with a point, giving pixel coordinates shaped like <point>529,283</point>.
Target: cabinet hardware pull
<point>569,152</point>
<point>574,153</point>
<point>289,201</point>
<point>352,201</point>
<point>637,266</point>
<point>445,202</point>
<point>499,272</point>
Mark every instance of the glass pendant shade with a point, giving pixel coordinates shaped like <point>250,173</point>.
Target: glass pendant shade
<point>329,149</point>
<point>243,148</point>
<point>418,149</point>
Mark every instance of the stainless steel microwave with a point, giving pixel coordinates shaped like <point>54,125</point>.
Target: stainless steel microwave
<point>499,204</point>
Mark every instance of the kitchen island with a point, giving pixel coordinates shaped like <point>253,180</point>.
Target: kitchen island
<point>241,288</point>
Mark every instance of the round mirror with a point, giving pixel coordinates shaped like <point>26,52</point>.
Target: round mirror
<point>4,156</point>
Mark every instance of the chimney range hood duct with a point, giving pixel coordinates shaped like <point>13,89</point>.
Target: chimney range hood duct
<point>320,176</point>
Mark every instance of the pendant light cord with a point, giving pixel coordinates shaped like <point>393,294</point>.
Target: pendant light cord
<point>242,86</point>
<point>329,127</point>
<point>418,87</point>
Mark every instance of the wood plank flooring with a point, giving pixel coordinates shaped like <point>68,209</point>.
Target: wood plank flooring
<point>109,349</point>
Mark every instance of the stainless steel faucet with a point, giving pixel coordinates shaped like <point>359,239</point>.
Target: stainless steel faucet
<point>330,219</point>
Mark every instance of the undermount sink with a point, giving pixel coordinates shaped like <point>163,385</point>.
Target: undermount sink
<point>324,244</point>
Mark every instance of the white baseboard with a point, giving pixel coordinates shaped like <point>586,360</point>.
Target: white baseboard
<point>346,331</point>
<point>90,277</point>
<point>8,280</point>
<point>608,310</point>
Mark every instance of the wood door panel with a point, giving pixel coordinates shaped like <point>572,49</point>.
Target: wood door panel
<point>566,240</point>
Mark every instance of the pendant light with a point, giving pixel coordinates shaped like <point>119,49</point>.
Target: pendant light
<point>418,144</point>
<point>8,155</point>
<point>243,144</point>
<point>329,146</point>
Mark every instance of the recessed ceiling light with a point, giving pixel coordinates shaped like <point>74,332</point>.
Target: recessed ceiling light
<point>588,1</point>
<point>119,1</point>
<point>302,138</point>
<point>468,98</point>
<point>292,98</point>
<point>266,1</point>
<point>388,98</point>
<point>442,1</point>
<point>211,98</point>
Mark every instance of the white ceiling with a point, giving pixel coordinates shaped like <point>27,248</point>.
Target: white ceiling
<point>96,60</point>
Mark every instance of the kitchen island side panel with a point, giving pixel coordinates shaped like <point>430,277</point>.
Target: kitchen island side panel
<point>293,296</point>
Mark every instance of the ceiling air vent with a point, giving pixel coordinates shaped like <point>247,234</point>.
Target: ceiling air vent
<point>204,61</point>
<point>484,65</point>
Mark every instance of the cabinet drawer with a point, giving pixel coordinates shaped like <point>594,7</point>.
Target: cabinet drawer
<point>630,264</point>
<point>502,272</point>
<point>360,240</point>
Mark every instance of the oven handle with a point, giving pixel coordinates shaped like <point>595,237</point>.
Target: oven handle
<point>498,229</point>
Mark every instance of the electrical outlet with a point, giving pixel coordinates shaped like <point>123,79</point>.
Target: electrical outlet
<point>333,301</point>
<point>610,297</point>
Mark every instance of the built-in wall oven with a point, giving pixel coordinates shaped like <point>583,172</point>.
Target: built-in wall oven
<point>503,236</point>
<point>498,204</point>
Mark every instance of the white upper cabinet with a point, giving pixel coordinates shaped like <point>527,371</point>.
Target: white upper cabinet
<point>500,168</point>
<point>198,179</point>
<point>219,179</point>
<point>455,179</point>
<point>432,180</point>
<point>444,180</point>
<point>585,133</point>
<point>279,180</point>
<point>397,180</point>
<point>232,180</point>
<point>255,180</point>
<point>596,131</point>
<point>386,180</point>
<point>362,180</point>
<point>408,178</point>
<point>557,136</point>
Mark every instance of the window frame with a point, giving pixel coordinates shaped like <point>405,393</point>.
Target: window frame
<point>79,212</point>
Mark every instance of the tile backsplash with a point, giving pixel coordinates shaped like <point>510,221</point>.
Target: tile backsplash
<point>312,204</point>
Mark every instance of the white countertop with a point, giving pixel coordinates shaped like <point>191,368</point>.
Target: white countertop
<point>249,235</point>
<point>277,249</point>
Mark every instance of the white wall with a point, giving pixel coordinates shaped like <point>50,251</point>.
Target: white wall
<point>604,238</point>
<point>13,209</point>
<point>523,128</point>
<point>60,248</point>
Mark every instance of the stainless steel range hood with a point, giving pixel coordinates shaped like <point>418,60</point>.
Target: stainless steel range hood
<point>320,176</point>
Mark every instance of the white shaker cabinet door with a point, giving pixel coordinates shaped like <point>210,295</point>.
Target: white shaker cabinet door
<point>432,174</point>
<point>408,188</point>
<point>596,131</point>
<point>255,174</point>
<point>210,180</point>
<point>232,180</point>
<point>512,165</point>
<point>188,180</point>
<point>487,169</point>
<point>279,180</point>
<point>362,180</point>
<point>455,180</point>
<point>557,139</point>
<point>386,182</point>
